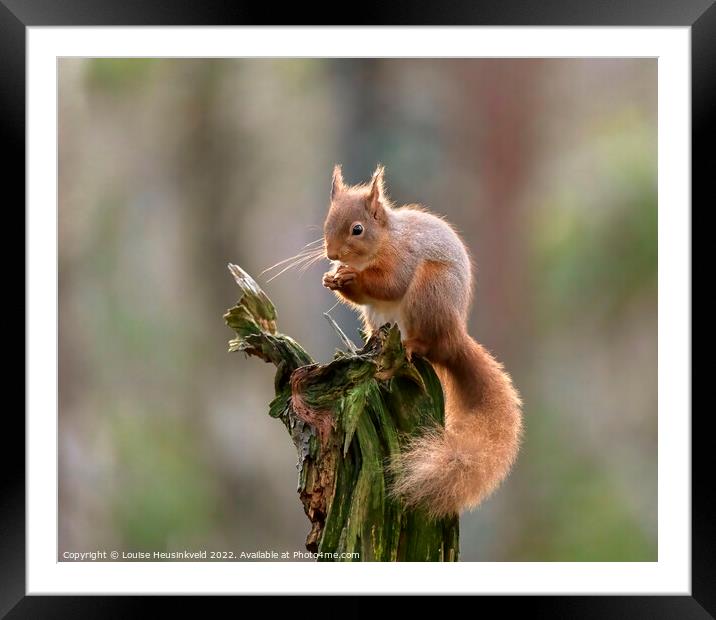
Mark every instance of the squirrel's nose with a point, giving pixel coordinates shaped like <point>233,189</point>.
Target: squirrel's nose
<point>332,255</point>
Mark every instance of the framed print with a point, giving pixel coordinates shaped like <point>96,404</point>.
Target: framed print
<point>458,240</point>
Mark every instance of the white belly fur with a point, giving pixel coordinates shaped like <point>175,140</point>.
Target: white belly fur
<point>382,312</point>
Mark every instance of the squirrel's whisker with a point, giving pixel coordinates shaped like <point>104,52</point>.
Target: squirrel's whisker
<point>311,262</point>
<point>295,263</point>
<point>301,254</point>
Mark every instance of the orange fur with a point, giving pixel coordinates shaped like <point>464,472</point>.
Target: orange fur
<point>409,266</point>
<point>452,469</point>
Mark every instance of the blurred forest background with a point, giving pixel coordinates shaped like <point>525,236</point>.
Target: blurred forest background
<point>171,168</point>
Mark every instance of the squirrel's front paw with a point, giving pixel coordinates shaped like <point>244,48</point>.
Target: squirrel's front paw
<point>345,275</point>
<point>329,281</point>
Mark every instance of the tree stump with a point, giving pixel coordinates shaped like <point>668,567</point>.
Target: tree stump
<point>347,419</point>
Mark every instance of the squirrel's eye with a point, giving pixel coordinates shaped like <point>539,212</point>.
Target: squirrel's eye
<point>357,229</point>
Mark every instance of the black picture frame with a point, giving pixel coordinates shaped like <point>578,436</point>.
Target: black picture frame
<point>700,15</point>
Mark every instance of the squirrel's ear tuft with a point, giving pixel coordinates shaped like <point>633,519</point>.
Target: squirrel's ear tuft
<point>376,195</point>
<point>337,183</point>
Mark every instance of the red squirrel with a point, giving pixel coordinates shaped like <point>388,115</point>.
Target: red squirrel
<point>408,266</point>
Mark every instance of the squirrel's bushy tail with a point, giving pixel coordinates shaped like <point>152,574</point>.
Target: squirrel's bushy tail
<point>449,470</point>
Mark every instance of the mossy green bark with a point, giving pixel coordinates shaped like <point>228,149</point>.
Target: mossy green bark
<point>347,419</point>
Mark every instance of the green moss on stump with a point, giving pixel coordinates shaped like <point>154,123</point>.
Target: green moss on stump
<point>346,419</point>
